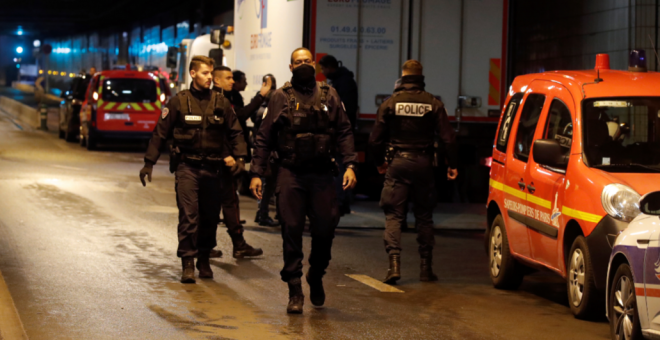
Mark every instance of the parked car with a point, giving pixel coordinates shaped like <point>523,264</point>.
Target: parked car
<point>574,152</point>
<point>120,104</point>
<point>72,100</point>
<point>633,279</point>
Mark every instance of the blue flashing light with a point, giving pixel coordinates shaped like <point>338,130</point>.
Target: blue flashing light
<point>19,49</point>
<point>637,61</point>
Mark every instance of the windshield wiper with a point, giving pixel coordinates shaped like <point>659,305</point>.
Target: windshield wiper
<point>628,165</point>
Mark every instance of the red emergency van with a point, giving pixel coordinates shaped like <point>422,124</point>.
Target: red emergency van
<point>120,104</point>
<point>574,152</point>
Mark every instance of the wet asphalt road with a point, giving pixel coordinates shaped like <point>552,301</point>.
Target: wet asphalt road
<point>88,253</point>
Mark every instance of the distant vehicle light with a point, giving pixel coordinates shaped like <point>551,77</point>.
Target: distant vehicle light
<point>50,72</point>
<point>62,73</point>
<point>36,43</point>
<point>19,49</point>
<point>71,75</point>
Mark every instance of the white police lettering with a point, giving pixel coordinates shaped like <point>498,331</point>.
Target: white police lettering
<point>193,118</point>
<point>412,109</point>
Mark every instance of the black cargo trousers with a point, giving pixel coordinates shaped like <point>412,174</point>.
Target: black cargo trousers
<point>231,214</point>
<point>311,194</point>
<point>409,177</point>
<point>199,189</point>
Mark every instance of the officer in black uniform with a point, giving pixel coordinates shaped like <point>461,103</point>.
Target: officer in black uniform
<point>200,121</point>
<point>402,143</point>
<point>307,126</point>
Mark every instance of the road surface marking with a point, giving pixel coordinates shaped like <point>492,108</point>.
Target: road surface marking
<point>11,326</point>
<point>375,284</point>
<point>68,167</point>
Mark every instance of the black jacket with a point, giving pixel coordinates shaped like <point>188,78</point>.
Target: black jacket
<point>379,138</point>
<point>344,82</point>
<point>244,112</point>
<point>277,118</point>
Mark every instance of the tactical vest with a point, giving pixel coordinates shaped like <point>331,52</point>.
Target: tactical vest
<point>308,139</point>
<point>200,134</point>
<point>412,124</point>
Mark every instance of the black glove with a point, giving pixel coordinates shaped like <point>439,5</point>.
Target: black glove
<point>239,167</point>
<point>146,171</point>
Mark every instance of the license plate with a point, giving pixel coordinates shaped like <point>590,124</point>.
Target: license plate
<point>117,116</point>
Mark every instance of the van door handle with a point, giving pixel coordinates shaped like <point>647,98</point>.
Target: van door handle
<point>531,189</point>
<point>521,185</point>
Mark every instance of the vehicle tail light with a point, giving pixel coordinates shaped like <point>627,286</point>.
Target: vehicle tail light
<point>487,161</point>
<point>162,97</point>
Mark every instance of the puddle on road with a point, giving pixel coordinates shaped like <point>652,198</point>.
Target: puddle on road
<point>206,310</point>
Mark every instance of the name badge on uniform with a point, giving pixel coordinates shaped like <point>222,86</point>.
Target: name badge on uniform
<point>412,109</point>
<point>193,118</point>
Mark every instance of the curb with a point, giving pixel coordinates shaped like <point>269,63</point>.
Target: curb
<point>11,327</point>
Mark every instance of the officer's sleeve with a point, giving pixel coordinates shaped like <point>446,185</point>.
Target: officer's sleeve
<point>235,132</point>
<point>266,140</point>
<point>379,135</point>
<point>163,130</point>
<point>250,110</point>
<point>345,139</point>
<point>448,136</point>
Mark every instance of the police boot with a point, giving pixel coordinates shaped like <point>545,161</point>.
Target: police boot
<point>316,291</point>
<point>394,273</point>
<point>215,253</point>
<point>266,221</point>
<point>243,249</point>
<point>204,267</point>
<point>296,297</point>
<point>426,273</point>
<point>188,264</point>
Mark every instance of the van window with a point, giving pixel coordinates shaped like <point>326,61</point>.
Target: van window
<point>507,121</point>
<point>529,118</point>
<point>559,125</point>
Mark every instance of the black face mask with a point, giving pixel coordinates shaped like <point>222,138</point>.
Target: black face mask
<point>304,77</point>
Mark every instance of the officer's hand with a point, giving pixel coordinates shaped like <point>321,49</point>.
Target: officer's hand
<point>383,168</point>
<point>146,171</point>
<point>265,87</point>
<point>451,174</point>
<point>229,161</point>
<point>255,187</point>
<point>238,168</point>
<point>349,179</point>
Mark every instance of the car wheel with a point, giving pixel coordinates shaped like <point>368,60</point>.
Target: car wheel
<point>583,297</point>
<point>622,306</point>
<point>505,271</point>
<point>91,142</point>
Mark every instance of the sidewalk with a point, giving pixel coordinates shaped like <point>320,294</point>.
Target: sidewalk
<point>459,216</point>
<point>11,326</point>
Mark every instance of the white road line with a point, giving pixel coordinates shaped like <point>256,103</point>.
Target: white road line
<point>67,167</point>
<point>375,284</point>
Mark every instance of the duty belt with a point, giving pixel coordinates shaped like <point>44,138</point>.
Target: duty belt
<point>413,153</point>
<point>193,159</point>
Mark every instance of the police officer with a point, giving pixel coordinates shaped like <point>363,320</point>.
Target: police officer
<point>405,131</point>
<point>222,83</point>
<point>307,126</point>
<point>200,121</point>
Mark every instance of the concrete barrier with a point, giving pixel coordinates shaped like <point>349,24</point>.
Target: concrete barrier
<point>22,113</point>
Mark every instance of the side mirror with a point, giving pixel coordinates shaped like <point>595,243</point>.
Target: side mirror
<point>172,53</point>
<point>218,36</point>
<point>649,204</point>
<point>550,153</point>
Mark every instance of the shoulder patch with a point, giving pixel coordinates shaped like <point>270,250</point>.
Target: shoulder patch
<point>165,112</point>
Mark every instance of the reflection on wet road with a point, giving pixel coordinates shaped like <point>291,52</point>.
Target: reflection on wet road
<point>88,253</point>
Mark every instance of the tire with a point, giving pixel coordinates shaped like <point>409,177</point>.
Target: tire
<point>91,142</point>
<point>585,300</point>
<point>505,271</point>
<point>622,306</point>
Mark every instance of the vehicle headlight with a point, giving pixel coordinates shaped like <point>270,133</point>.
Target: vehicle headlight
<point>620,202</point>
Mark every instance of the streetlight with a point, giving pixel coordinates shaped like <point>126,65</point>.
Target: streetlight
<point>36,43</point>
<point>19,49</point>
<point>20,30</point>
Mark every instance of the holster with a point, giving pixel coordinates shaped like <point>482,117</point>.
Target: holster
<point>389,154</point>
<point>175,158</point>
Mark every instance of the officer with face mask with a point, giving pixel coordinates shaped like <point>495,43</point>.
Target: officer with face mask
<point>200,122</point>
<point>407,124</point>
<point>307,125</point>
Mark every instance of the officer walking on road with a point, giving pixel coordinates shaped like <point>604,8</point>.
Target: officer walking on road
<point>402,143</point>
<point>307,126</point>
<point>200,121</point>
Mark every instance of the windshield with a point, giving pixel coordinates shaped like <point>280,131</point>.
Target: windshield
<point>621,134</point>
<point>129,90</point>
